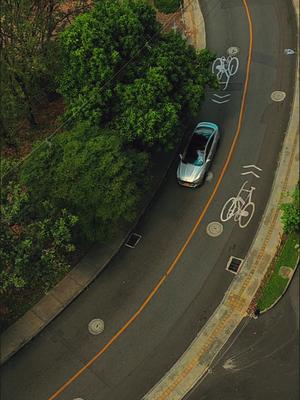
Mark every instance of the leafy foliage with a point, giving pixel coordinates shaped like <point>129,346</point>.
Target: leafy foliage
<point>167,6</point>
<point>95,47</point>
<point>89,173</point>
<point>34,247</point>
<point>291,213</point>
<point>163,79</point>
<point>28,57</point>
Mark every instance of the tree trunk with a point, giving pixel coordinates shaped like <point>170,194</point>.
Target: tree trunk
<point>30,115</point>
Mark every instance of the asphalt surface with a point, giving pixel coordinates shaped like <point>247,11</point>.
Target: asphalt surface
<point>261,361</point>
<point>161,333</point>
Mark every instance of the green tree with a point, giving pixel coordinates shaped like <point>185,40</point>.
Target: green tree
<point>34,247</point>
<point>171,86</point>
<point>95,47</point>
<point>147,111</point>
<point>290,216</point>
<point>167,6</point>
<point>147,101</point>
<point>89,173</point>
<point>28,56</point>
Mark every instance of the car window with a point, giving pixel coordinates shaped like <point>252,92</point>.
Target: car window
<point>208,146</point>
<point>200,158</point>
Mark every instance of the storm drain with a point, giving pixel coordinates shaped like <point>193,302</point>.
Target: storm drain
<point>234,264</point>
<point>133,240</point>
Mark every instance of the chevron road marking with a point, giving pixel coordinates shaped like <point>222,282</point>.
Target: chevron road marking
<point>225,96</point>
<point>220,102</point>
<point>251,172</point>
<point>221,97</point>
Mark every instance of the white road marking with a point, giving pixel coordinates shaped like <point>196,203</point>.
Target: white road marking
<point>252,166</point>
<point>241,207</point>
<point>250,172</point>
<point>220,102</point>
<point>224,68</point>
<point>222,96</point>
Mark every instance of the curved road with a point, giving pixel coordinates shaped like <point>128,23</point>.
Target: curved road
<point>148,347</point>
<point>261,361</point>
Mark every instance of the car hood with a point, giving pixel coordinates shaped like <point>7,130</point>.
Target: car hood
<point>189,172</point>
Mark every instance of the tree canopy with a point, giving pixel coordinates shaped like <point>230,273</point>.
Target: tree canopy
<point>89,173</point>
<point>35,244</point>
<point>120,71</point>
<point>28,56</point>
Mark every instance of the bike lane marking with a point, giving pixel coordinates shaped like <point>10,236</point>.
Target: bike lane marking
<point>237,207</point>
<point>192,233</point>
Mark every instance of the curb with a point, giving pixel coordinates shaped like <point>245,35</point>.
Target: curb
<point>198,358</point>
<point>72,285</point>
<point>85,272</point>
<point>285,289</point>
<point>194,23</point>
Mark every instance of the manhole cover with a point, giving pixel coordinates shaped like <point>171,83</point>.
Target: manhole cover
<point>214,229</point>
<point>233,50</point>
<point>234,264</point>
<point>278,95</point>
<point>133,240</point>
<point>209,176</point>
<point>96,326</point>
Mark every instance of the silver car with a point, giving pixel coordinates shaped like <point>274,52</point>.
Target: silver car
<point>198,154</point>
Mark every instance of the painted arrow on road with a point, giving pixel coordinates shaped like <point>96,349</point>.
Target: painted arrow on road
<point>251,172</point>
<point>225,96</point>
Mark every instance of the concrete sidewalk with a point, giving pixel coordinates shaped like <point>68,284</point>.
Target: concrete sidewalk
<point>196,361</point>
<point>194,24</point>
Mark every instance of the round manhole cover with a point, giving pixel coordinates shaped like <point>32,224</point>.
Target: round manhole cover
<point>214,229</point>
<point>96,326</point>
<point>233,50</point>
<point>209,176</point>
<point>278,95</point>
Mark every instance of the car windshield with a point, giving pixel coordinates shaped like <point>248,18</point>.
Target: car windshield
<point>195,153</point>
<point>200,158</point>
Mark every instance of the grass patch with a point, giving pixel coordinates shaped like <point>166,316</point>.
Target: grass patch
<point>167,6</point>
<point>276,284</point>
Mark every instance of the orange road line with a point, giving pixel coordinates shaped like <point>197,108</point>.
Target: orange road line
<point>183,248</point>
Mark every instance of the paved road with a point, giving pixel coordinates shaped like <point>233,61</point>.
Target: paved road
<point>160,334</point>
<point>262,360</point>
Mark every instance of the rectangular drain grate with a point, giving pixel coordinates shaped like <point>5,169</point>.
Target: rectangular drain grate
<point>133,240</point>
<point>234,264</point>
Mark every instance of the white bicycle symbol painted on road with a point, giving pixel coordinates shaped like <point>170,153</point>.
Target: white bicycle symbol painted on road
<point>224,67</point>
<point>239,208</point>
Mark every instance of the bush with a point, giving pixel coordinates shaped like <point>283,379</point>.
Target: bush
<point>291,213</point>
<point>88,172</point>
<point>167,6</point>
<point>146,103</point>
<point>35,245</point>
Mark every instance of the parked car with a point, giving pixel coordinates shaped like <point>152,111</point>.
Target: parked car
<point>198,154</point>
